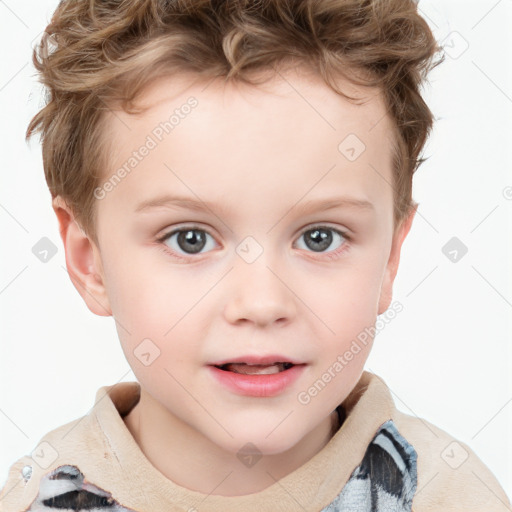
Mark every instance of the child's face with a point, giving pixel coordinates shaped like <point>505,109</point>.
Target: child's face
<point>256,286</point>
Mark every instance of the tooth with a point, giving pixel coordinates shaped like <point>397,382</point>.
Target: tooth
<point>251,369</point>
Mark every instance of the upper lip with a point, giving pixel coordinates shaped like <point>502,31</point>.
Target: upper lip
<point>259,360</point>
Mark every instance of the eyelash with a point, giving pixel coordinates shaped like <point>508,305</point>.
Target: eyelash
<point>332,255</point>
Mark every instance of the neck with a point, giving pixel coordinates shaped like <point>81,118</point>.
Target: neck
<point>191,460</point>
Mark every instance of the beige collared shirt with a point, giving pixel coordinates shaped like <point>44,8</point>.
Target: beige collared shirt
<point>99,458</point>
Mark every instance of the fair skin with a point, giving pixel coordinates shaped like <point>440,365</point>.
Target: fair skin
<point>257,154</point>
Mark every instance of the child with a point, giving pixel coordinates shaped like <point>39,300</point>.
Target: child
<point>279,140</point>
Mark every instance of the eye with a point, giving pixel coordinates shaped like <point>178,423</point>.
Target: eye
<point>320,238</point>
<point>191,240</point>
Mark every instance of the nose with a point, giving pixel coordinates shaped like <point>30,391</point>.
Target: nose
<point>259,293</point>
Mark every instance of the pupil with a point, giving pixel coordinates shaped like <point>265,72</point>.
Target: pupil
<point>322,239</point>
<point>191,241</point>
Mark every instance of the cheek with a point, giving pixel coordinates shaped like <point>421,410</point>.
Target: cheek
<point>347,296</point>
<point>157,312</point>
<point>144,293</point>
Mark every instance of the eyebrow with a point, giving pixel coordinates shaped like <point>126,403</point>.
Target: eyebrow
<point>168,201</point>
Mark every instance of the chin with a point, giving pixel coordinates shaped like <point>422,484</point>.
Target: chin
<point>257,441</point>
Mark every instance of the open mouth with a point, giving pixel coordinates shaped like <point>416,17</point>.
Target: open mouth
<point>255,369</point>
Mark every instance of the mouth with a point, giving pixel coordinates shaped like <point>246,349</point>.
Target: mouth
<point>255,369</point>
<point>257,375</point>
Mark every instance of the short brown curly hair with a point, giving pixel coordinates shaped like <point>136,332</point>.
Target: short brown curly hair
<point>98,53</point>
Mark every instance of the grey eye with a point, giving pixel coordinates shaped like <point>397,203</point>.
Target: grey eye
<point>320,238</point>
<point>190,241</point>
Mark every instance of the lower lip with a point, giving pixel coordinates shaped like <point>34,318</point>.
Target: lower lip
<point>258,385</point>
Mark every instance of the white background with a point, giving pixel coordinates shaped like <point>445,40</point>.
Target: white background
<point>446,357</point>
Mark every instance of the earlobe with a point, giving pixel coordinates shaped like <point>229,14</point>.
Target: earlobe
<point>386,293</point>
<point>83,260</point>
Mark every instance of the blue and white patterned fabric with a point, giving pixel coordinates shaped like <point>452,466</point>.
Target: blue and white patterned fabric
<point>66,489</point>
<point>386,479</point>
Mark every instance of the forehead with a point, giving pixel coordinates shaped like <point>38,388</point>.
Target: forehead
<point>285,98</point>
<point>221,140</point>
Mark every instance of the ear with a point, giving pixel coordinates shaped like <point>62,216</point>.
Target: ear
<point>83,260</point>
<point>386,292</point>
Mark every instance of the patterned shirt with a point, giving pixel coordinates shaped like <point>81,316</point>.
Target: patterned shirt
<point>379,460</point>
